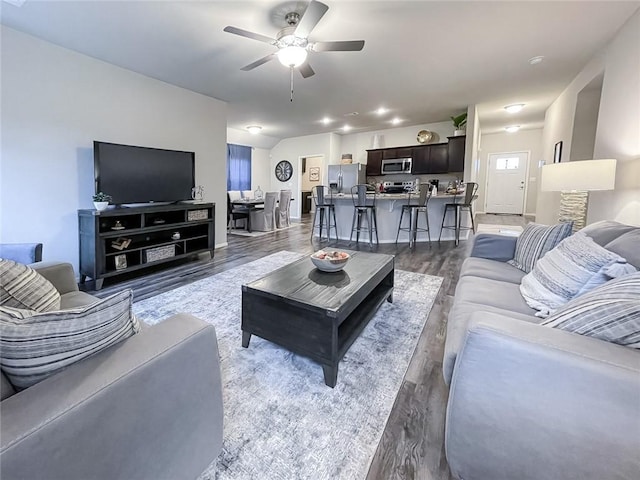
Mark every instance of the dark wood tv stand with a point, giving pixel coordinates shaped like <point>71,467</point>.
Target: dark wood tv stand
<point>122,240</point>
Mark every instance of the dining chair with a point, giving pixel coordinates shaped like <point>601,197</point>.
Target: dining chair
<point>283,209</point>
<point>264,219</point>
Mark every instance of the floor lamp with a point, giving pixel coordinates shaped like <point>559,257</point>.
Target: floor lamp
<point>575,180</point>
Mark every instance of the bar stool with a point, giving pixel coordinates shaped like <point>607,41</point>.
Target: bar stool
<point>414,209</point>
<point>470,190</point>
<point>323,204</point>
<point>362,208</point>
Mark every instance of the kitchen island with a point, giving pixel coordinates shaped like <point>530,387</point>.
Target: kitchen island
<point>389,208</point>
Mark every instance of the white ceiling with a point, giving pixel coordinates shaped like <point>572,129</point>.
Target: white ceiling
<point>424,60</point>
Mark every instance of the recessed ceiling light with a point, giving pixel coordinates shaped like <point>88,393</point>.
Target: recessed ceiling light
<point>396,121</point>
<point>382,111</point>
<point>512,128</point>
<point>536,60</point>
<point>346,128</point>
<point>326,120</point>
<point>515,108</point>
<point>254,129</point>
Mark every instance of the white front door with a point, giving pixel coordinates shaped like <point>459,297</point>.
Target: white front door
<point>506,182</point>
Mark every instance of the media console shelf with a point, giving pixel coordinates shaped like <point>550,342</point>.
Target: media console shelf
<point>122,240</point>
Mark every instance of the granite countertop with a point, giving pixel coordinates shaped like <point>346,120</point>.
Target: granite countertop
<point>393,196</point>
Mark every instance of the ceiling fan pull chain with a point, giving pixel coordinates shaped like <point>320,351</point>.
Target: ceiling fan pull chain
<point>291,69</point>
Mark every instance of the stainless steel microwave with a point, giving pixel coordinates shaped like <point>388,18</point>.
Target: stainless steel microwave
<point>397,165</point>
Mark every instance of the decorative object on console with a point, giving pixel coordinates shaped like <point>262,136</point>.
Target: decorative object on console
<point>101,201</point>
<point>258,194</point>
<point>159,253</point>
<point>121,243</point>
<point>197,193</point>
<point>117,226</point>
<point>459,124</point>
<point>193,215</point>
<point>575,180</point>
<point>120,262</point>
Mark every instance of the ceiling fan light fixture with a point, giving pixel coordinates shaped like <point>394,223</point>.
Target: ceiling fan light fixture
<point>254,129</point>
<point>292,56</point>
<point>515,108</point>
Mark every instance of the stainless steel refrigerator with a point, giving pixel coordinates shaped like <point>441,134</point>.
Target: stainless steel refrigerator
<point>343,177</point>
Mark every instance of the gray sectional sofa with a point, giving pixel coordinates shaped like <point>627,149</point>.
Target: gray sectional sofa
<point>149,407</point>
<point>531,402</point>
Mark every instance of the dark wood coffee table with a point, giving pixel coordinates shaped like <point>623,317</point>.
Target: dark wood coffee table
<point>316,314</point>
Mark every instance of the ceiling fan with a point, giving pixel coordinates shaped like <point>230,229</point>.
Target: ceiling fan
<point>293,41</point>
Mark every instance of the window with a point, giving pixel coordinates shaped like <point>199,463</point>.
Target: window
<point>238,167</point>
<point>510,163</point>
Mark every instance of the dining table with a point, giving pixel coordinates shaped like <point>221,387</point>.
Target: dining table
<point>250,204</point>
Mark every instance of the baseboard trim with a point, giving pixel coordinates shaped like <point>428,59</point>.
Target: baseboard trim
<point>220,245</point>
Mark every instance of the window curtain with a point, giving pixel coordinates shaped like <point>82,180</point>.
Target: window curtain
<point>238,167</point>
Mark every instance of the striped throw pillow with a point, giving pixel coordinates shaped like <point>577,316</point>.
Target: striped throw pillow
<point>23,287</point>
<point>610,312</point>
<point>34,346</point>
<point>575,266</point>
<point>536,240</point>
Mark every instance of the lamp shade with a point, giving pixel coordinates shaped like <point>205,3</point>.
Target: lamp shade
<point>580,175</point>
<point>292,56</point>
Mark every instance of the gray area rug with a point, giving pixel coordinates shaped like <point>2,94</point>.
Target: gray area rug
<point>280,420</point>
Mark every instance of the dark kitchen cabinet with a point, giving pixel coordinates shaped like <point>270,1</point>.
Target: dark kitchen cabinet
<point>374,162</point>
<point>430,159</point>
<point>456,153</point>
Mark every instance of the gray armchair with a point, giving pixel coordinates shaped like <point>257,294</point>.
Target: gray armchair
<point>21,252</point>
<point>148,407</point>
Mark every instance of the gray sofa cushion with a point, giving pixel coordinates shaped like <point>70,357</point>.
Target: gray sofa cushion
<point>606,231</point>
<point>627,246</point>
<point>484,268</point>
<point>493,293</point>
<point>76,299</point>
<point>6,389</point>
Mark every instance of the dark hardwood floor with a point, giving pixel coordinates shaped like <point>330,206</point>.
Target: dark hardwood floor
<point>412,445</point>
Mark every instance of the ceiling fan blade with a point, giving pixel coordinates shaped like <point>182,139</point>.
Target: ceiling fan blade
<point>306,70</point>
<point>248,34</point>
<point>346,46</point>
<point>257,63</point>
<point>310,19</point>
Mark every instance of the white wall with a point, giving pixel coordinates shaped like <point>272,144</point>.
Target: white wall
<point>618,133</point>
<point>618,130</point>
<point>585,122</point>
<point>260,169</point>
<point>472,147</point>
<point>293,149</point>
<point>55,103</point>
<point>520,141</point>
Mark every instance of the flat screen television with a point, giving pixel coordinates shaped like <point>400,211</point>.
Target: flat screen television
<point>140,175</point>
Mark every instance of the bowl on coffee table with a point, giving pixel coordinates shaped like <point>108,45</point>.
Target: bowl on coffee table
<point>330,260</point>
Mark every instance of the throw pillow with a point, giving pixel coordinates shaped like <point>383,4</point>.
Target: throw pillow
<point>536,240</point>
<point>34,346</point>
<point>23,287</point>
<point>576,265</point>
<point>610,312</point>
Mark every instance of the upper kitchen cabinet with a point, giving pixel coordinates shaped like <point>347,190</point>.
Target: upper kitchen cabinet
<point>456,153</point>
<point>393,153</point>
<point>430,159</point>
<point>374,162</point>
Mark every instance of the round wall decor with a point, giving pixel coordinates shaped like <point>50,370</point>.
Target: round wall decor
<point>284,170</point>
